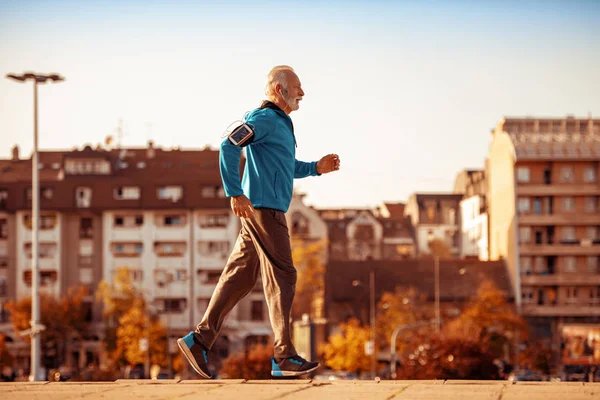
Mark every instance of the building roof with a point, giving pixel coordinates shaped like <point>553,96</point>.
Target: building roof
<point>147,168</point>
<point>395,210</point>
<point>567,138</point>
<point>416,273</point>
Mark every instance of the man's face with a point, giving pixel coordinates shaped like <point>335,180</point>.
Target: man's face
<point>294,92</point>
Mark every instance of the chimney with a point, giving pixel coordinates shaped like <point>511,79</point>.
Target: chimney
<point>15,153</point>
<point>150,152</point>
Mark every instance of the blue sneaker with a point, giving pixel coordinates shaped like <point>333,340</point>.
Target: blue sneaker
<point>196,354</point>
<point>293,366</point>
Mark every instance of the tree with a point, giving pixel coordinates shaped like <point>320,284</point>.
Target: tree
<point>310,286</point>
<point>255,364</point>
<point>454,358</point>
<point>64,319</point>
<point>345,351</point>
<point>489,317</point>
<point>403,306</point>
<point>134,325</point>
<point>118,298</point>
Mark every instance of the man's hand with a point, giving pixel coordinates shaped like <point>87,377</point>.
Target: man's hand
<point>241,206</point>
<point>329,163</point>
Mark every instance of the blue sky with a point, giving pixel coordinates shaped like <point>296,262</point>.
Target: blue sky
<point>405,92</point>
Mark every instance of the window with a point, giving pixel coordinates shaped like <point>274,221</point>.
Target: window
<point>172,220</point>
<point>257,310</point>
<point>47,222</point>
<point>213,221</point>
<point>589,174</point>
<point>568,204</point>
<point>571,294</point>
<point>86,275</point>
<point>524,234</point>
<point>593,232</point>
<point>570,264</point>
<point>592,264</point>
<point>567,232</point>
<point>128,221</point>
<point>86,228</point>
<point>214,248</point>
<point>83,197</point>
<point>172,193</point>
<point>523,174</point>
<point>170,249</point>
<point>212,277</point>
<point>127,193</point>
<point>566,174</point>
<point>173,305</point>
<point>45,250</point>
<point>537,206</point>
<point>594,295</point>
<point>526,265</point>
<point>524,205</point>
<point>527,294</point>
<point>127,249</point>
<point>181,275</point>
<point>591,204</point>
<point>540,266</point>
<point>3,228</point>
<point>3,198</point>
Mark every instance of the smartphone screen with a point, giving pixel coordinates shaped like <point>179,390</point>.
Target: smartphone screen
<point>240,134</point>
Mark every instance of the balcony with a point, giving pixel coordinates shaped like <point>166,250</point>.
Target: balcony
<point>171,233</point>
<point>563,279</point>
<point>559,219</point>
<point>559,249</point>
<point>579,189</point>
<point>581,309</point>
<point>129,234</point>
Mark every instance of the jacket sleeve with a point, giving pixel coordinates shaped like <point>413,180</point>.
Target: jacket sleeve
<point>229,165</point>
<point>304,169</point>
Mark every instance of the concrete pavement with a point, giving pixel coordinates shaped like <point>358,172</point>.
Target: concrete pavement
<point>299,390</point>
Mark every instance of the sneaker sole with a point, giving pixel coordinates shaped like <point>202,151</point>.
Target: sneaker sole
<point>292,373</point>
<point>190,357</point>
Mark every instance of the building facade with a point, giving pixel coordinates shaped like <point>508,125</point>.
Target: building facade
<point>162,214</point>
<point>435,216</point>
<point>472,184</point>
<point>545,222</point>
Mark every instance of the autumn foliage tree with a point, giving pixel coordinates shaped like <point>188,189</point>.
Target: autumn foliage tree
<point>134,325</point>
<point>449,358</point>
<point>126,317</point>
<point>64,319</point>
<point>253,364</point>
<point>489,318</point>
<point>309,260</point>
<point>345,351</point>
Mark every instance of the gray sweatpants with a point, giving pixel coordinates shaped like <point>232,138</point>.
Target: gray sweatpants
<point>263,245</point>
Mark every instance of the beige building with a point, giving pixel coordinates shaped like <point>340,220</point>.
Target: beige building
<point>160,213</point>
<point>544,209</point>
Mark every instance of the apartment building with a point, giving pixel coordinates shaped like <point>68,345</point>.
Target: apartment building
<point>435,216</point>
<point>544,203</point>
<point>472,184</point>
<point>160,213</point>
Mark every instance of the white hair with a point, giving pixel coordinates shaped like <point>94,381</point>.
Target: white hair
<point>277,75</point>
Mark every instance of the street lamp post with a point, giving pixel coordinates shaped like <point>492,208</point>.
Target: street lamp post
<point>35,206</point>
<point>356,283</point>
<point>436,273</point>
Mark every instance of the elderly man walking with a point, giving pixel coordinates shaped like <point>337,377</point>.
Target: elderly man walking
<point>263,244</point>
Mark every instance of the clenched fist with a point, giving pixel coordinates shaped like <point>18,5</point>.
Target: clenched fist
<point>329,163</point>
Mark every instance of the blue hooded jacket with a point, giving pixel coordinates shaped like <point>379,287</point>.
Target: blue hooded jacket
<point>271,164</point>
